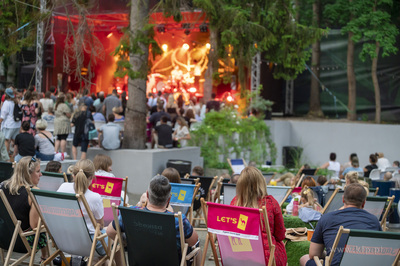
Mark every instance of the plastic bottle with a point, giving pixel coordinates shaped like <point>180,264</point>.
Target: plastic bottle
<point>295,211</point>
<point>272,182</point>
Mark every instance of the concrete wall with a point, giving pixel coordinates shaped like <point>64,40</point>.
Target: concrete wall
<point>318,139</point>
<point>141,165</point>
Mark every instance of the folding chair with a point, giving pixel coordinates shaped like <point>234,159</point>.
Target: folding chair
<point>66,225</point>
<point>237,165</point>
<point>373,192</point>
<point>238,231</point>
<point>376,206</point>
<point>6,170</point>
<point>280,193</point>
<point>150,237</point>
<point>110,189</point>
<point>391,169</point>
<point>229,193</point>
<point>362,247</point>
<point>375,174</point>
<point>335,202</point>
<point>13,239</point>
<point>182,198</point>
<point>51,181</point>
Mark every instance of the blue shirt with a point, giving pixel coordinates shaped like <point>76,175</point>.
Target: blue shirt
<point>111,139</point>
<point>350,218</point>
<point>99,117</point>
<point>351,168</point>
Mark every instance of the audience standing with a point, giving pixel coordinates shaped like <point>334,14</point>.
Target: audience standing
<point>62,124</point>
<point>164,133</point>
<point>10,127</point>
<point>110,102</point>
<point>213,104</point>
<point>46,102</point>
<point>80,138</point>
<point>30,109</point>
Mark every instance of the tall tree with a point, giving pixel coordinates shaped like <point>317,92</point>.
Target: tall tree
<point>374,27</point>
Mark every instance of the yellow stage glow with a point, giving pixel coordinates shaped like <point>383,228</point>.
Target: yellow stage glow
<point>208,46</point>
<point>109,35</point>
<point>185,46</point>
<point>192,89</point>
<point>164,47</point>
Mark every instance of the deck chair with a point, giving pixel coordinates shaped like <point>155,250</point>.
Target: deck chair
<point>229,193</point>
<point>182,198</point>
<point>376,206</point>
<point>110,189</point>
<point>13,239</point>
<point>215,197</point>
<point>373,192</point>
<point>190,181</point>
<point>238,232</point>
<point>6,170</point>
<point>362,247</point>
<point>66,226</point>
<point>237,165</point>
<point>151,237</point>
<point>335,202</point>
<point>51,181</point>
<point>280,193</point>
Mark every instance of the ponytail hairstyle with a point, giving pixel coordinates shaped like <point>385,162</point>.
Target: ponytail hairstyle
<point>308,195</point>
<point>83,171</point>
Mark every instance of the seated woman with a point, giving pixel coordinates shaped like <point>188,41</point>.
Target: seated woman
<point>82,174</point>
<point>332,165</point>
<point>372,160</point>
<point>53,167</point>
<point>44,143</point>
<point>251,191</point>
<point>181,133</point>
<point>309,209</point>
<point>102,165</point>
<point>26,174</point>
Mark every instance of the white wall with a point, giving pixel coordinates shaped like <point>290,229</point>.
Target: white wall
<point>319,139</point>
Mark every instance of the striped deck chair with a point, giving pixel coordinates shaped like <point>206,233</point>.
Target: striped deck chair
<point>237,165</point>
<point>6,170</point>
<point>238,232</point>
<point>51,181</point>
<point>362,247</point>
<point>280,193</point>
<point>150,237</point>
<point>376,206</point>
<point>335,202</point>
<point>66,225</point>
<point>182,198</point>
<point>13,239</point>
<point>110,189</point>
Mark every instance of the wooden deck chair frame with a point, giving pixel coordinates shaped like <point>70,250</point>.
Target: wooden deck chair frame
<point>199,213</point>
<point>385,214</point>
<point>211,239</point>
<point>217,192</point>
<point>328,259</point>
<point>97,236</point>
<point>330,200</point>
<point>18,232</point>
<point>286,196</point>
<point>230,164</point>
<point>300,180</point>
<point>196,189</point>
<point>118,241</point>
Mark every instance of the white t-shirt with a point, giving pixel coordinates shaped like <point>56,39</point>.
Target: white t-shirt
<point>95,203</point>
<point>383,163</point>
<point>7,114</point>
<point>334,166</point>
<point>104,173</point>
<point>180,133</point>
<point>47,103</point>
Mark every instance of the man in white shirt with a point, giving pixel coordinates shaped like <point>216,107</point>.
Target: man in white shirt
<point>111,133</point>
<point>9,126</point>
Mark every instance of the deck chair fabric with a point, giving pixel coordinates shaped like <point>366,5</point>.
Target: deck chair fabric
<point>63,217</point>
<point>6,170</point>
<point>229,193</point>
<point>109,188</point>
<point>238,231</point>
<point>280,193</point>
<point>335,202</point>
<point>151,236</point>
<point>373,192</point>
<point>13,238</point>
<point>51,181</point>
<point>204,190</point>
<point>237,165</point>
<point>379,207</point>
<point>362,247</point>
<point>182,198</point>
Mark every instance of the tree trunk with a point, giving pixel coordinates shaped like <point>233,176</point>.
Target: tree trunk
<point>376,85</point>
<point>315,104</point>
<point>136,109</point>
<point>12,69</point>
<point>351,77</point>
<point>212,66</point>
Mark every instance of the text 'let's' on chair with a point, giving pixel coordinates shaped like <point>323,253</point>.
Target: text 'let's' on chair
<point>110,189</point>
<point>150,237</point>
<point>66,225</point>
<point>239,234</point>
<point>362,247</point>
<point>13,239</point>
<point>182,198</point>
<point>51,181</point>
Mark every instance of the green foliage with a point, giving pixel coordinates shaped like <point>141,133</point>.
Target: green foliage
<point>253,100</point>
<point>217,139</point>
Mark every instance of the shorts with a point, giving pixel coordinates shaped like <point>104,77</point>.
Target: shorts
<point>10,133</point>
<point>62,137</point>
<point>312,263</point>
<point>82,141</point>
<point>42,241</point>
<point>99,247</point>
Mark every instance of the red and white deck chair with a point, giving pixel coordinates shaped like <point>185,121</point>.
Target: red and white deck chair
<point>238,230</point>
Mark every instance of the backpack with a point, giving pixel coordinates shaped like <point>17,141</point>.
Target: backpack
<point>17,113</point>
<point>90,130</point>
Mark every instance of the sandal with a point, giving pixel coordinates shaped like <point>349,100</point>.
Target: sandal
<point>42,260</point>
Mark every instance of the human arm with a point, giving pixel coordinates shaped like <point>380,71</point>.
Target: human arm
<point>33,214</point>
<point>100,221</point>
<point>111,232</point>
<point>316,250</point>
<point>324,166</point>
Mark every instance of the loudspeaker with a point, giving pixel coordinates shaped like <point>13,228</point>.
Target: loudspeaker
<point>291,155</point>
<point>183,167</point>
<point>48,55</point>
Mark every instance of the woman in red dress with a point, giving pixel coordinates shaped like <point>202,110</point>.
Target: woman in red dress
<point>251,192</point>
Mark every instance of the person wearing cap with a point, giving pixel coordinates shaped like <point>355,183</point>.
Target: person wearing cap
<point>354,167</point>
<point>9,127</point>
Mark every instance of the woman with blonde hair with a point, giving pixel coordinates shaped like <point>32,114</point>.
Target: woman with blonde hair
<point>181,133</point>
<point>251,192</point>
<point>83,174</point>
<point>351,177</point>
<point>26,175</point>
<point>102,165</point>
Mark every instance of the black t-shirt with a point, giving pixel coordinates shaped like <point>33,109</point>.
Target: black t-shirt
<point>26,144</point>
<point>79,120</point>
<point>155,117</point>
<point>164,134</point>
<point>369,169</point>
<point>213,105</point>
